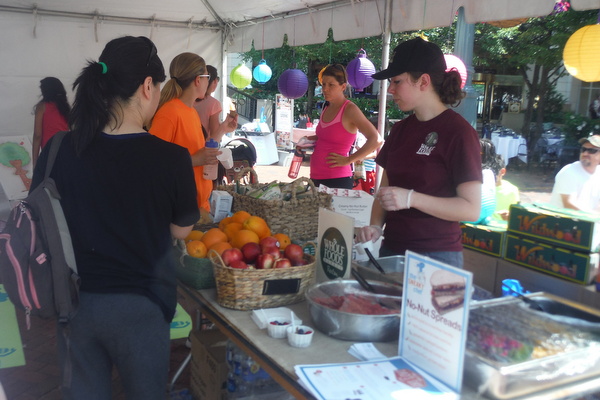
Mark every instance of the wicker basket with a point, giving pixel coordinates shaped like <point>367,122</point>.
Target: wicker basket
<point>298,218</point>
<point>250,289</point>
<point>194,272</point>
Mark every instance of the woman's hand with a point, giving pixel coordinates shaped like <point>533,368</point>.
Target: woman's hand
<point>394,198</point>
<point>337,160</point>
<point>366,233</point>
<point>205,156</point>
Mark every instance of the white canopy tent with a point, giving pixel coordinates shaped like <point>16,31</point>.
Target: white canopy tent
<point>41,38</point>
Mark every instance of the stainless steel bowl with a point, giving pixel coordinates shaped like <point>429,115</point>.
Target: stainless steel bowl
<point>350,326</point>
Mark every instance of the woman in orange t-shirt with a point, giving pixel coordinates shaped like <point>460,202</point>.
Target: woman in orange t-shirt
<point>177,121</point>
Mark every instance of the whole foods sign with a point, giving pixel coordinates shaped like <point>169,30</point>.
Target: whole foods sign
<point>335,235</point>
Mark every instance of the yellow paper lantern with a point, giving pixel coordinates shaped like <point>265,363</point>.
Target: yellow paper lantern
<point>582,54</point>
<point>240,76</point>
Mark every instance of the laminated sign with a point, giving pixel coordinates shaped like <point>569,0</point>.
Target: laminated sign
<point>334,252</point>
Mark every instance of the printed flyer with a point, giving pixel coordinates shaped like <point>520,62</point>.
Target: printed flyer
<point>435,316</point>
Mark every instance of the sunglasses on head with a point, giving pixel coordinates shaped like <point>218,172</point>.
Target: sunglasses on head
<point>589,150</point>
<point>153,51</point>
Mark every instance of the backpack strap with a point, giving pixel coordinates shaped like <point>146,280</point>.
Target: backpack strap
<point>53,151</point>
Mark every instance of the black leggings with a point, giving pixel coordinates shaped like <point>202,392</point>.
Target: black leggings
<point>338,183</point>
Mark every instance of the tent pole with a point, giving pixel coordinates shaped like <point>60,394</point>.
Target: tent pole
<point>463,49</point>
<point>383,84</point>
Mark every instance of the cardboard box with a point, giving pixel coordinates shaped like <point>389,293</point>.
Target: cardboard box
<point>220,204</point>
<point>209,367</point>
<point>566,264</point>
<point>534,281</point>
<point>483,268</point>
<point>485,239</point>
<point>558,227</point>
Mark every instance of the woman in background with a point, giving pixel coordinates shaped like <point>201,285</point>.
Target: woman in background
<point>209,109</point>
<point>177,120</point>
<point>51,114</point>
<point>331,161</point>
<point>125,194</point>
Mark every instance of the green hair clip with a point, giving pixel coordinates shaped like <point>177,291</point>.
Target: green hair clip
<point>104,67</point>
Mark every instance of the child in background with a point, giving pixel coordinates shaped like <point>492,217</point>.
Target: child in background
<point>506,192</point>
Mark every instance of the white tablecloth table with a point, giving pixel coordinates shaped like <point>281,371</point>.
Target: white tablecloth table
<point>508,147</point>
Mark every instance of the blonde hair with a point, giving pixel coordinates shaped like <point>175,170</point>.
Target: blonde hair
<point>183,71</point>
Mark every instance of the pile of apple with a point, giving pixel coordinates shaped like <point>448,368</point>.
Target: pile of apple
<point>264,255</point>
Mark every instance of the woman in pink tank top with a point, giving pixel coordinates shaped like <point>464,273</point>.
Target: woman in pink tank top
<point>331,161</point>
<point>51,114</point>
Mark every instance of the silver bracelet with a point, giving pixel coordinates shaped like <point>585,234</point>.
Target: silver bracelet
<point>410,192</point>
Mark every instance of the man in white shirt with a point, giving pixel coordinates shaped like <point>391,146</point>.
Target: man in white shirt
<point>577,185</point>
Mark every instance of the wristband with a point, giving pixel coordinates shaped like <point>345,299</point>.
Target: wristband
<point>410,192</point>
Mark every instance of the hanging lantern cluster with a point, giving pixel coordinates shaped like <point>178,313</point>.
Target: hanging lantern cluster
<point>581,54</point>
<point>360,70</point>
<point>453,62</point>
<point>240,76</point>
<point>292,83</point>
<point>262,72</point>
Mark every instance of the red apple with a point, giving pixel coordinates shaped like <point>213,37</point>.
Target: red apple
<point>265,261</point>
<point>295,254</point>
<point>251,251</point>
<point>274,251</point>
<point>239,264</point>
<point>231,255</point>
<point>269,241</point>
<point>283,263</point>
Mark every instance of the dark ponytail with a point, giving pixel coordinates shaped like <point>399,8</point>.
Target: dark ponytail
<point>446,84</point>
<point>103,87</point>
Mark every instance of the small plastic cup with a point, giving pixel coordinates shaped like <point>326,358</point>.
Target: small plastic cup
<point>300,335</point>
<point>277,327</point>
<point>225,157</point>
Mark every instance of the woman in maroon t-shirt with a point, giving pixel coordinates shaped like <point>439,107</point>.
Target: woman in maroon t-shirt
<point>431,161</point>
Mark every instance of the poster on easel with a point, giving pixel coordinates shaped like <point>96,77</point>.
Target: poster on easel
<point>16,167</point>
<point>284,121</point>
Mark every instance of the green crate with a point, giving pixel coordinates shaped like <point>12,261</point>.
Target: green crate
<point>557,261</point>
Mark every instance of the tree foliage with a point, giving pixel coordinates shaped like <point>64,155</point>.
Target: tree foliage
<point>532,49</point>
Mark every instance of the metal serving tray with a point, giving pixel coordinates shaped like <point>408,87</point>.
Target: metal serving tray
<point>392,265</point>
<point>568,346</point>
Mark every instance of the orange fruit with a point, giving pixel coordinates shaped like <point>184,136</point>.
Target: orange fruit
<point>240,216</point>
<point>224,222</point>
<point>257,225</point>
<point>243,236</point>
<point>283,239</point>
<point>196,248</point>
<point>194,235</point>
<point>220,247</point>
<point>212,236</point>
<point>232,228</point>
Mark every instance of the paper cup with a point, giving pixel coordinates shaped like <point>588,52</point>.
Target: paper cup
<point>300,335</point>
<point>277,327</point>
<point>225,157</point>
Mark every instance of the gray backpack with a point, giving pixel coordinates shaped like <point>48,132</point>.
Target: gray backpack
<point>37,262</point>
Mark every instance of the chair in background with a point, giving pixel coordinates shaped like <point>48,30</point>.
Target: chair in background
<point>550,158</point>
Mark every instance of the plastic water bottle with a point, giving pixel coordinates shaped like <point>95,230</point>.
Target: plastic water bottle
<point>296,163</point>
<point>210,170</point>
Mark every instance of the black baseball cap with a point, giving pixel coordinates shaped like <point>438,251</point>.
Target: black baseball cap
<point>415,55</point>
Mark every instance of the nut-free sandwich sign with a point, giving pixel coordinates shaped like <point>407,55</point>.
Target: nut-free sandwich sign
<point>335,235</point>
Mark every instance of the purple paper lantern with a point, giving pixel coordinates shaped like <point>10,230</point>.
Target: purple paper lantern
<point>262,72</point>
<point>360,70</point>
<point>292,83</point>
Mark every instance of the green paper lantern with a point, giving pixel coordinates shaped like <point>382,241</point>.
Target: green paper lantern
<point>240,76</point>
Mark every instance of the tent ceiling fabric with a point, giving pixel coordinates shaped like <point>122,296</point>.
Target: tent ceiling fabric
<point>304,21</point>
